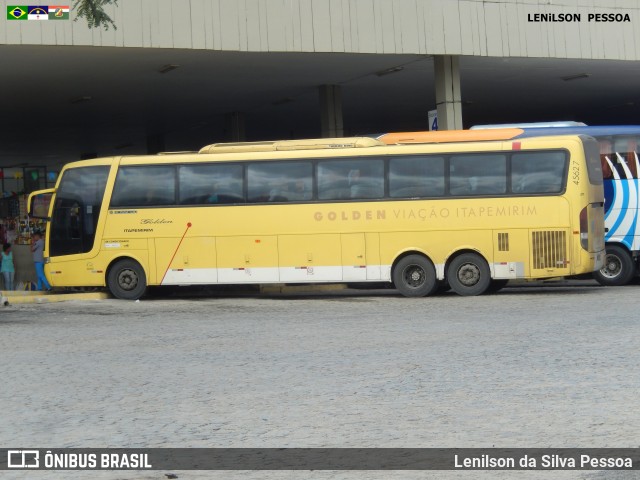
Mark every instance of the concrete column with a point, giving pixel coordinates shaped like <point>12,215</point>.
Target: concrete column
<point>155,144</point>
<point>448,99</point>
<point>234,127</point>
<point>331,111</point>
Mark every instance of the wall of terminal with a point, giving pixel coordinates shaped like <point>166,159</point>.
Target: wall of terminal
<point>500,28</point>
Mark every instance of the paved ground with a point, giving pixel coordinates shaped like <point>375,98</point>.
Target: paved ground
<point>541,366</point>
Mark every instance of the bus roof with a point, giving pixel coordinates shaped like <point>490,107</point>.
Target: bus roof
<point>529,125</point>
<point>449,136</point>
<point>285,149</point>
<point>284,145</point>
<point>446,136</point>
<point>591,130</point>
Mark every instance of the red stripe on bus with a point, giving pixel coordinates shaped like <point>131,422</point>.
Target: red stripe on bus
<point>174,253</point>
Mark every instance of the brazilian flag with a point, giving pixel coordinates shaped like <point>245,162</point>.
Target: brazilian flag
<point>17,12</point>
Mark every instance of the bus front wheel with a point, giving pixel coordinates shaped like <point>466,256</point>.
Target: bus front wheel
<point>126,280</point>
<point>469,274</point>
<point>415,276</point>
<point>619,268</point>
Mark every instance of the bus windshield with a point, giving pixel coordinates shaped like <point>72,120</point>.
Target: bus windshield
<point>77,209</point>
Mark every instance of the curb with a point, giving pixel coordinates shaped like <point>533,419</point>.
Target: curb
<point>15,298</point>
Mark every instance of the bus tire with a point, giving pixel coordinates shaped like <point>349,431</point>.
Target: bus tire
<point>619,268</point>
<point>126,280</point>
<point>469,275</point>
<point>415,276</point>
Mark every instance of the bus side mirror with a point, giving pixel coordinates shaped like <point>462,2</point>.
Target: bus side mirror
<point>39,203</point>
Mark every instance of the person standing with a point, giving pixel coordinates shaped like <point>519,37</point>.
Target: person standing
<point>6,267</point>
<point>37,247</point>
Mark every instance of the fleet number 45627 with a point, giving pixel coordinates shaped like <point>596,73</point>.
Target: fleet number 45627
<point>575,172</point>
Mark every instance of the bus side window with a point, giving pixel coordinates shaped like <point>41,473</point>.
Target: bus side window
<point>606,152</point>
<point>478,174</point>
<point>207,184</point>
<point>633,154</point>
<point>538,172</point>
<point>631,163</point>
<point>126,191</point>
<point>351,178</point>
<point>626,148</point>
<point>416,176</point>
<point>279,181</point>
<point>332,181</point>
<point>606,169</point>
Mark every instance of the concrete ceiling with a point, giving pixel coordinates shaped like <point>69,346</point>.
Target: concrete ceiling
<point>45,121</point>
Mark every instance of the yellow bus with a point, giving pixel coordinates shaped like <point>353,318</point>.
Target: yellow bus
<point>474,214</point>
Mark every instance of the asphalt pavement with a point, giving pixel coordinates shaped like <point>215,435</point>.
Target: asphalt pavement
<point>538,365</point>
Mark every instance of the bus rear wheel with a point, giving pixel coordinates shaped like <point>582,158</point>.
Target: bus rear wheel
<point>469,274</point>
<point>415,276</point>
<point>126,280</point>
<point>619,268</point>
